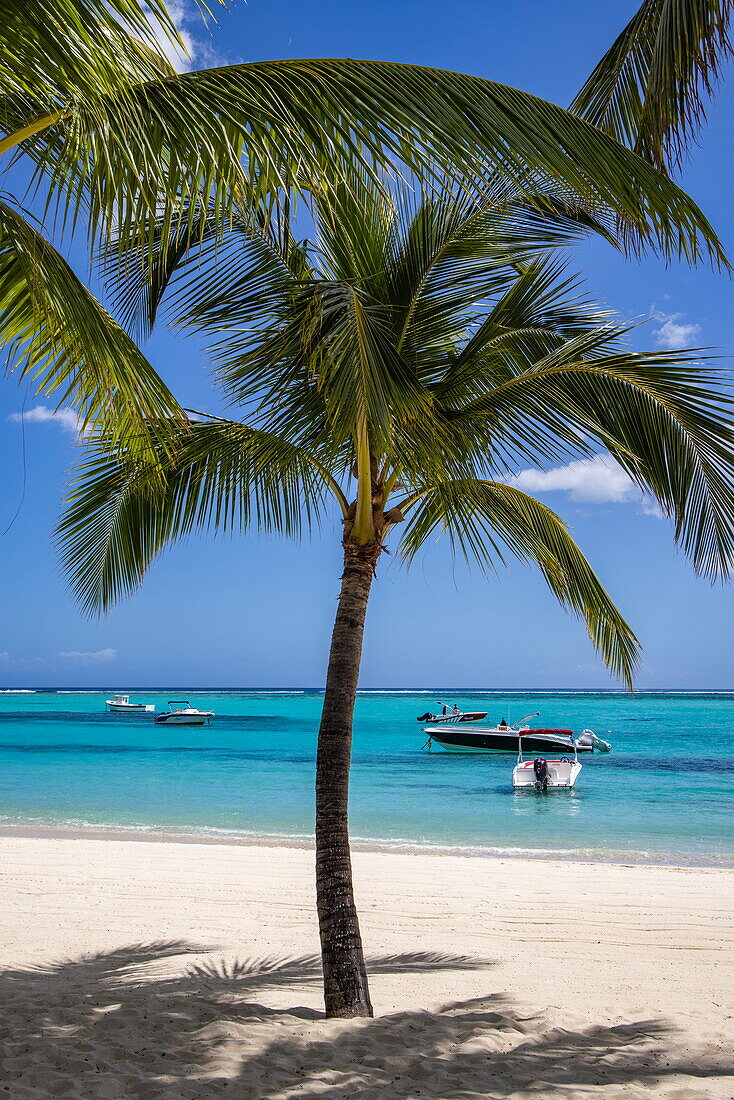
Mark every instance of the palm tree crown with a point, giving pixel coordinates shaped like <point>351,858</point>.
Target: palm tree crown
<point>112,137</point>
<point>422,348</point>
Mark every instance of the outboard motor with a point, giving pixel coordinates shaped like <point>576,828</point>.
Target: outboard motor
<point>540,767</point>
<point>425,717</point>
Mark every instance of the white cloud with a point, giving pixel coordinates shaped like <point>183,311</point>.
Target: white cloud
<point>597,480</point>
<point>650,507</point>
<point>67,419</point>
<point>673,335</point>
<point>86,658</point>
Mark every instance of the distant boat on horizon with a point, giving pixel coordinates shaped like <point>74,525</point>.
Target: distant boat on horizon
<point>121,704</point>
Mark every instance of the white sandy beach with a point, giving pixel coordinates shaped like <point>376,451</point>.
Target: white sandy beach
<point>177,970</point>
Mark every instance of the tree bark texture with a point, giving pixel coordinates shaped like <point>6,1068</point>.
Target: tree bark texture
<point>346,992</point>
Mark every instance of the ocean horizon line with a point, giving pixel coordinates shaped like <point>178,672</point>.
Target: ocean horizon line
<point>167,689</point>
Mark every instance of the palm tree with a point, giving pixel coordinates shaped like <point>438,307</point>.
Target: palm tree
<point>420,351</point>
<point>650,88</point>
<point>111,136</point>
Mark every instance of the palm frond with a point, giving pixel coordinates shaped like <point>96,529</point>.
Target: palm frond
<point>59,336</point>
<point>355,364</point>
<point>277,323</point>
<point>649,90</point>
<point>221,134</point>
<point>540,310</point>
<point>460,249</point>
<point>63,50</point>
<point>121,513</point>
<point>487,520</point>
<point>205,279</point>
<point>665,418</point>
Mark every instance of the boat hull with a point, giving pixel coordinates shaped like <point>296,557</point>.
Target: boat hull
<point>453,719</point>
<point>131,708</point>
<point>183,719</point>
<point>561,775</point>
<point>466,740</point>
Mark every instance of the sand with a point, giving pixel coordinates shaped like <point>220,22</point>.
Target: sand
<point>171,970</point>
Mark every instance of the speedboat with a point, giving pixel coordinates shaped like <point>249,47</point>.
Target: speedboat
<point>545,775</point>
<point>120,703</point>
<point>504,738</point>
<point>451,717</point>
<point>181,713</point>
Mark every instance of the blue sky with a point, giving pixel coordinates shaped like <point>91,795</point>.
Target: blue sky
<point>257,612</point>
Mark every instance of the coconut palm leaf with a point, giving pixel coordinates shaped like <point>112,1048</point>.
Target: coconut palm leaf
<point>201,278</point>
<point>206,279</point>
<point>114,134</point>
<point>485,520</point>
<point>64,49</point>
<point>457,254</point>
<point>454,358</point>
<point>269,301</point>
<point>649,89</point>
<point>197,275</point>
<point>665,418</point>
<point>222,134</point>
<point>57,335</point>
<point>224,476</point>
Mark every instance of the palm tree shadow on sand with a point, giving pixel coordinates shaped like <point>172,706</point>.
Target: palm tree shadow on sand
<point>123,1024</point>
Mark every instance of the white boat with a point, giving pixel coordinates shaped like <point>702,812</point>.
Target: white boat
<point>504,738</point>
<point>545,775</point>
<point>453,716</point>
<point>121,704</point>
<point>181,713</point>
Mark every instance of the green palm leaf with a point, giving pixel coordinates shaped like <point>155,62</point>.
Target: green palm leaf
<point>485,520</point>
<point>70,49</point>
<point>223,476</point>
<point>223,133</point>
<point>401,352</point>
<point>664,418</point>
<point>57,335</point>
<point>649,89</point>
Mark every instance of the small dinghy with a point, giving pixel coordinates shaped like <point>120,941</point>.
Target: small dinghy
<point>452,715</point>
<point>545,775</point>
<point>120,704</point>
<point>181,713</point>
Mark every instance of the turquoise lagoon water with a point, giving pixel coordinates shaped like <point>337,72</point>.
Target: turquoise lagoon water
<point>663,794</point>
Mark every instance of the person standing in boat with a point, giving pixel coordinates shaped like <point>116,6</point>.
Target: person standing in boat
<point>455,711</point>
<point>503,725</point>
<point>445,710</point>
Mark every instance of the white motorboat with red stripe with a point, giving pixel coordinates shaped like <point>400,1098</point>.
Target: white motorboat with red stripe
<point>545,775</point>
<point>504,738</point>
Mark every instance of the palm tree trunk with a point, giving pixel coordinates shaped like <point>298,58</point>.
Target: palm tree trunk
<point>346,992</point>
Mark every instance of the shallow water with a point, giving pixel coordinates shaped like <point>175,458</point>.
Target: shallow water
<point>663,793</point>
